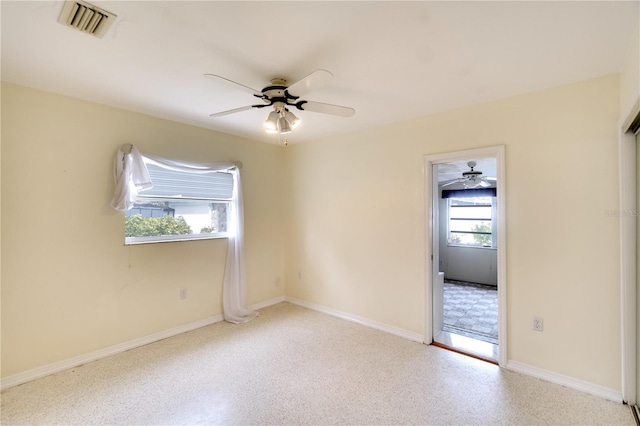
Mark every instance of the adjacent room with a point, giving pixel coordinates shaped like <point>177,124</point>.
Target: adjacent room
<point>274,212</point>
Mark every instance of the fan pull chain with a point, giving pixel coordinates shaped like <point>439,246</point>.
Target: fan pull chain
<point>286,142</point>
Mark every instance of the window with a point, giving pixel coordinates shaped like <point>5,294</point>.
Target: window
<point>181,205</point>
<point>471,221</point>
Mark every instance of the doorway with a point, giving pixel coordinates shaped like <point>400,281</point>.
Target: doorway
<point>466,286</point>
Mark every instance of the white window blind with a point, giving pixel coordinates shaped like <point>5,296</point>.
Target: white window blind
<point>211,185</point>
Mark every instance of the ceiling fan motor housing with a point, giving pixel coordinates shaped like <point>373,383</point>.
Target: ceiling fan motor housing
<point>278,96</point>
<point>471,174</point>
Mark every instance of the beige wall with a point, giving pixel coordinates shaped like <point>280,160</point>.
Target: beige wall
<point>356,240</point>
<point>69,285</point>
<point>630,75</point>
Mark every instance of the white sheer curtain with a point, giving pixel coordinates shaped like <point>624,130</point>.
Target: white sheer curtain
<point>234,286</point>
<point>131,176</point>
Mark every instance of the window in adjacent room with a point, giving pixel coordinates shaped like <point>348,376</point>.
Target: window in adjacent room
<point>180,206</point>
<point>471,221</point>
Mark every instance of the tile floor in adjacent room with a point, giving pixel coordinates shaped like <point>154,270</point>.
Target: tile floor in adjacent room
<point>471,310</point>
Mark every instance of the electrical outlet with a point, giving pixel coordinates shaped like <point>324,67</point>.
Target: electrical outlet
<point>183,293</point>
<point>537,324</point>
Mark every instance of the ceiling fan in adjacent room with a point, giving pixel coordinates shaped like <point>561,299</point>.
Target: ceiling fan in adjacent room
<point>283,97</point>
<point>471,178</point>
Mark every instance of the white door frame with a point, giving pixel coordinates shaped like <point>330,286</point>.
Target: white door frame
<point>496,152</point>
<point>628,259</point>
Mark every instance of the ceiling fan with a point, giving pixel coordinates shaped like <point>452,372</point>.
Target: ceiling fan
<point>283,97</point>
<point>471,178</point>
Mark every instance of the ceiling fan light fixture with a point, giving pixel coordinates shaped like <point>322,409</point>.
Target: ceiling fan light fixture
<point>283,126</point>
<point>271,125</point>
<point>291,118</point>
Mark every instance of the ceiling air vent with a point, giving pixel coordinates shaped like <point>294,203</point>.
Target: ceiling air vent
<point>86,18</point>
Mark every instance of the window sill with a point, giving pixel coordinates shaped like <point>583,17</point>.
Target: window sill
<point>128,241</point>
<point>472,247</point>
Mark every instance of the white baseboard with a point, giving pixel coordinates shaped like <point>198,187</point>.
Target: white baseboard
<point>416,337</point>
<point>570,382</point>
<point>56,367</point>
<point>267,303</point>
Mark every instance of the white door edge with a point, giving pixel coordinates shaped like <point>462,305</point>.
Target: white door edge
<point>628,260</point>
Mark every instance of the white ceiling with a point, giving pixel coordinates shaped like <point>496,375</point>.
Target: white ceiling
<point>391,60</point>
<point>454,169</point>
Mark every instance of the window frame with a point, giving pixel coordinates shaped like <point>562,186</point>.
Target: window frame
<point>142,198</point>
<point>492,220</point>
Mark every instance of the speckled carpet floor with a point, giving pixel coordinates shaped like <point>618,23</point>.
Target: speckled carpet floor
<point>294,366</point>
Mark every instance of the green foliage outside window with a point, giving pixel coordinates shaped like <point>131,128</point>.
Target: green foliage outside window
<point>482,239</point>
<point>139,226</point>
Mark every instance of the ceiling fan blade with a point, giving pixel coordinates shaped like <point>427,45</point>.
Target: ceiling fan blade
<point>451,182</point>
<point>232,111</point>
<point>484,184</point>
<point>242,87</point>
<point>313,81</point>
<point>325,108</point>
